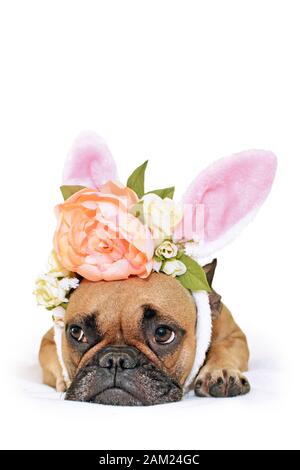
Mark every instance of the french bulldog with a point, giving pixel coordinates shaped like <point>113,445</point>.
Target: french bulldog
<point>132,342</point>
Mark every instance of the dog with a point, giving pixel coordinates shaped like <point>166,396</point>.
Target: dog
<point>132,342</point>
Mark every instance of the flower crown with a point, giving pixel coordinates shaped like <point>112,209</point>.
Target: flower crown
<point>108,231</point>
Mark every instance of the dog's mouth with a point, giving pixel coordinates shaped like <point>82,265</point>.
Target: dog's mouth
<point>116,396</point>
<point>144,384</point>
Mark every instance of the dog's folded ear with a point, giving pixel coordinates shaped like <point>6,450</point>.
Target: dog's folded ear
<point>214,298</point>
<point>209,270</point>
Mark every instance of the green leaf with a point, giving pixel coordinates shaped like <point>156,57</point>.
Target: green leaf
<point>165,192</point>
<point>63,304</point>
<point>195,277</point>
<point>136,180</point>
<point>68,191</point>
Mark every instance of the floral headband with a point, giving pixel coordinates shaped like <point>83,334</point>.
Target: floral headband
<point>109,231</point>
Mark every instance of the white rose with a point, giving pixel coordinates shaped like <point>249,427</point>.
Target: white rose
<point>161,216</point>
<point>49,291</point>
<point>54,267</point>
<point>167,250</point>
<point>174,268</point>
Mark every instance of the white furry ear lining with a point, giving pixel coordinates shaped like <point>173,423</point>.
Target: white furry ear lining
<point>203,335</point>
<point>58,314</point>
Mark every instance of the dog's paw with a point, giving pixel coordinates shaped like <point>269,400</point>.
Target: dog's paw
<point>221,383</point>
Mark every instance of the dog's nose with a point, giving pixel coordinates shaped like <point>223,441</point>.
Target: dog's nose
<point>122,357</point>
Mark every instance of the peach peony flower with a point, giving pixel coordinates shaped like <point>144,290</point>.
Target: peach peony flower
<point>98,238</point>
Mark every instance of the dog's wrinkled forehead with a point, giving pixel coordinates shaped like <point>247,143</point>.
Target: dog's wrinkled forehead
<point>121,304</point>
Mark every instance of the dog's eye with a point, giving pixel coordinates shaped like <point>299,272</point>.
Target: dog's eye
<point>164,335</point>
<point>77,333</point>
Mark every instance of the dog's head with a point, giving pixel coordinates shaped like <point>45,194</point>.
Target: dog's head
<point>132,342</point>
<point>129,342</point>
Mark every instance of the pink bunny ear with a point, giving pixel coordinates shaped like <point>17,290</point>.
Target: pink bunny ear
<point>229,193</point>
<point>89,163</point>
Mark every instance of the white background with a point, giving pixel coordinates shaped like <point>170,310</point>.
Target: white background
<point>181,83</point>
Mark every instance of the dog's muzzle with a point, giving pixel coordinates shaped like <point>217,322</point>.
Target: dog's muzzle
<point>122,375</point>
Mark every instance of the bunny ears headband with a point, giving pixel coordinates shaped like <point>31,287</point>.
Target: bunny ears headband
<point>108,231</point>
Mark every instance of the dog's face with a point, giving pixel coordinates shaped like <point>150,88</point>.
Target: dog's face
<point>129,342</point>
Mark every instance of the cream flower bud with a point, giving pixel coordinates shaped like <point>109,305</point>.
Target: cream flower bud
<point>54,267</point>
<point>161,216</point>
<point>174,268</point>
<point>167,250</point>
<point>49,293</point>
